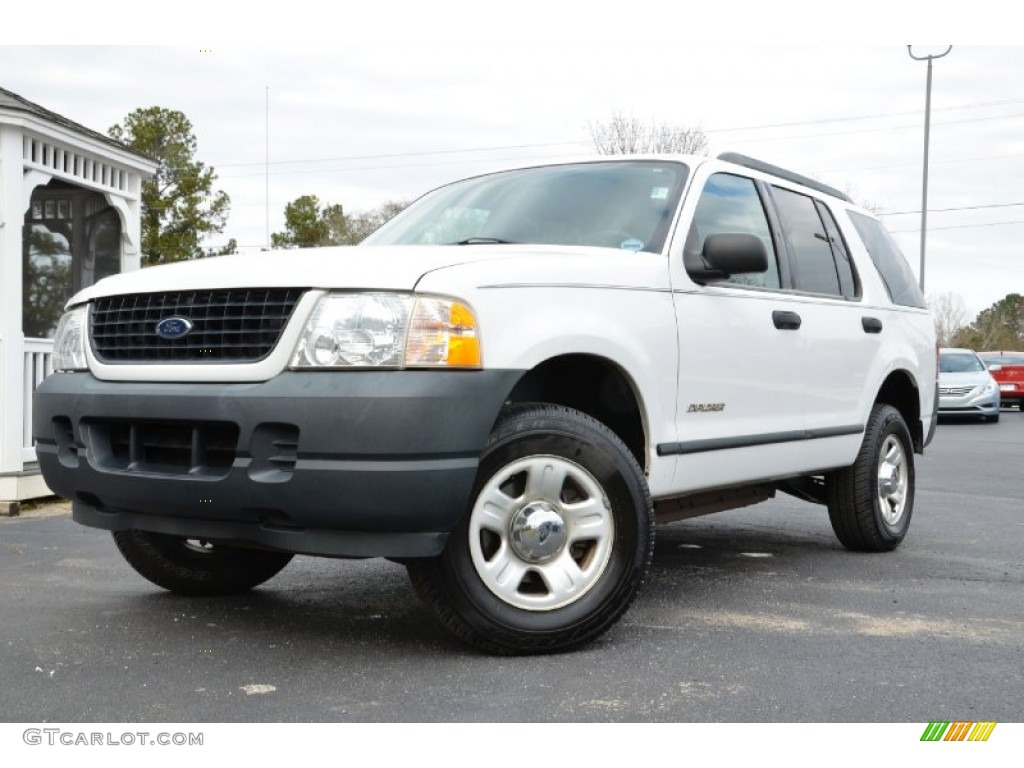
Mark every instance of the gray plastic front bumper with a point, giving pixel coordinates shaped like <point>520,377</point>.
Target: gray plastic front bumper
<point>344,463</point>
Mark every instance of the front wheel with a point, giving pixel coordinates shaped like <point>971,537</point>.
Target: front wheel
<point>556,542</point>
<point>195,566</point>
<point>870,502</point>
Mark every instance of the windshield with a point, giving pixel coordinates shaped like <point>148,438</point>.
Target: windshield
<point>959,362</point>
<point>616,204</point>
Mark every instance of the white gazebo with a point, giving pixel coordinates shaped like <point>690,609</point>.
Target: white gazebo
<point>69,215</point>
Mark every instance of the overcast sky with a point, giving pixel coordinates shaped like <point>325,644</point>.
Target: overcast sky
<point>386,117</point>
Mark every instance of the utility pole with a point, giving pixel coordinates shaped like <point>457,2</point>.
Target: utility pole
<point>927,128</point>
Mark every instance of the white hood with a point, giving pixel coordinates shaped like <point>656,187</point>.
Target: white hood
<point>386,268</point>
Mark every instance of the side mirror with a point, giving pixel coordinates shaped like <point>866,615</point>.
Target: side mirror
<point>735,254</point>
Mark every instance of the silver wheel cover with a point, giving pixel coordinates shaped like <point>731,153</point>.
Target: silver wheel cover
<point>893,480</point>
<point>541,533</point>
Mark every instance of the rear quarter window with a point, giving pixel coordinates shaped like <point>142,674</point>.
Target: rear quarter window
<point>896,274</point>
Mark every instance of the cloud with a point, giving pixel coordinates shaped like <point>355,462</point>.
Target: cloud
<point>370,120</point>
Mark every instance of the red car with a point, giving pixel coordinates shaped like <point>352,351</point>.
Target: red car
<point>1008,369</point>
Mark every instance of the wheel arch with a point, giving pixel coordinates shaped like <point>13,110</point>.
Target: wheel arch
<point>595,386</point>
<point>901,392</point>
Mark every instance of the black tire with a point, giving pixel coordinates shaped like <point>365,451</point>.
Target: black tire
<point>192,567</point>
<point>556,542</point>
<point>870,502</point>
<point>993,419</point>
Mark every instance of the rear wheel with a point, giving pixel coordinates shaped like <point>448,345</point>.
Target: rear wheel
<point>556,542</point>
<point>196,566</point>
<point>870,502</point>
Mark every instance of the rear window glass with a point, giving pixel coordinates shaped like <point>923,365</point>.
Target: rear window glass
<point>892,266</point>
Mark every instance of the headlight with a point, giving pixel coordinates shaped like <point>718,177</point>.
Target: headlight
<point>388,330</point>
<point>984,389</point>
<point>69,341</point>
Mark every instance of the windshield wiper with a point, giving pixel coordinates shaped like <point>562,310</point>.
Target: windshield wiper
<point>484,241</point>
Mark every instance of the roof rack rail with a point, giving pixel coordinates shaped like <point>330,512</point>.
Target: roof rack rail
<point>782,173</point>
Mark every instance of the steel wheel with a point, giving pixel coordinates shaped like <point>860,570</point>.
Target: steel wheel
<point>541,532</point>
<point>892,480</point>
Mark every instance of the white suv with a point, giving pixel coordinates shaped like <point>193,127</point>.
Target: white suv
<point>505,388</point>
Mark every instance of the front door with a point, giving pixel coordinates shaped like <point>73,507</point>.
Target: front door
<point>741,389</point>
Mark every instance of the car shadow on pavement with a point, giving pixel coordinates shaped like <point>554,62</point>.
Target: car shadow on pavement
<point>347,606</point>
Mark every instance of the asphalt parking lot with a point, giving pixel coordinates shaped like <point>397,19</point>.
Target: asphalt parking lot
<point>753,615</point>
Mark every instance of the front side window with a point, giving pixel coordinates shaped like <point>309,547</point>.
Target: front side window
<point>731,205</point>
<point>617,204</point>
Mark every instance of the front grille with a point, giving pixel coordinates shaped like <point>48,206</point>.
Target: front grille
<point>240,325</point>
<point>958,391</point>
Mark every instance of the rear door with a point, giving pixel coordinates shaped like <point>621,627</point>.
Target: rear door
<point>840,336</point>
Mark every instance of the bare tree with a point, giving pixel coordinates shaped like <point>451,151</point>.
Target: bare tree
<point>950,315</point>
<point>627,135</point>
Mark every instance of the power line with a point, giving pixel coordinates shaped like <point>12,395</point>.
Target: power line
<point>350,169</point>
<point>426,153</point>
<point>956,226</point>
<point>394,155</point>
<point>947,210</point>
<point>422,153</point>
<point>882,129</point>
<point>933,162</point>
<point>974,105</point>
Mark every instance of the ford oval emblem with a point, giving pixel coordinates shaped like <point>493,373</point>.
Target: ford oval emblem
<point>172,328</point>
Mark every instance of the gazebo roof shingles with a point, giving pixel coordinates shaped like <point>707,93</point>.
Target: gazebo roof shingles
<point>11,100</point>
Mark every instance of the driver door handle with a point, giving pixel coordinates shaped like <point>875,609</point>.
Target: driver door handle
<point>871,324</point>
<point>786,321</point>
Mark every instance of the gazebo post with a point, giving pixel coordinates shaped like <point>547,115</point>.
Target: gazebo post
<point>12,360</point>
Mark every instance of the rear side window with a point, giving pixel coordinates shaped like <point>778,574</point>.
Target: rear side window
<point>844,265</point>
<point>892,266</point>
<point>815,265</point>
